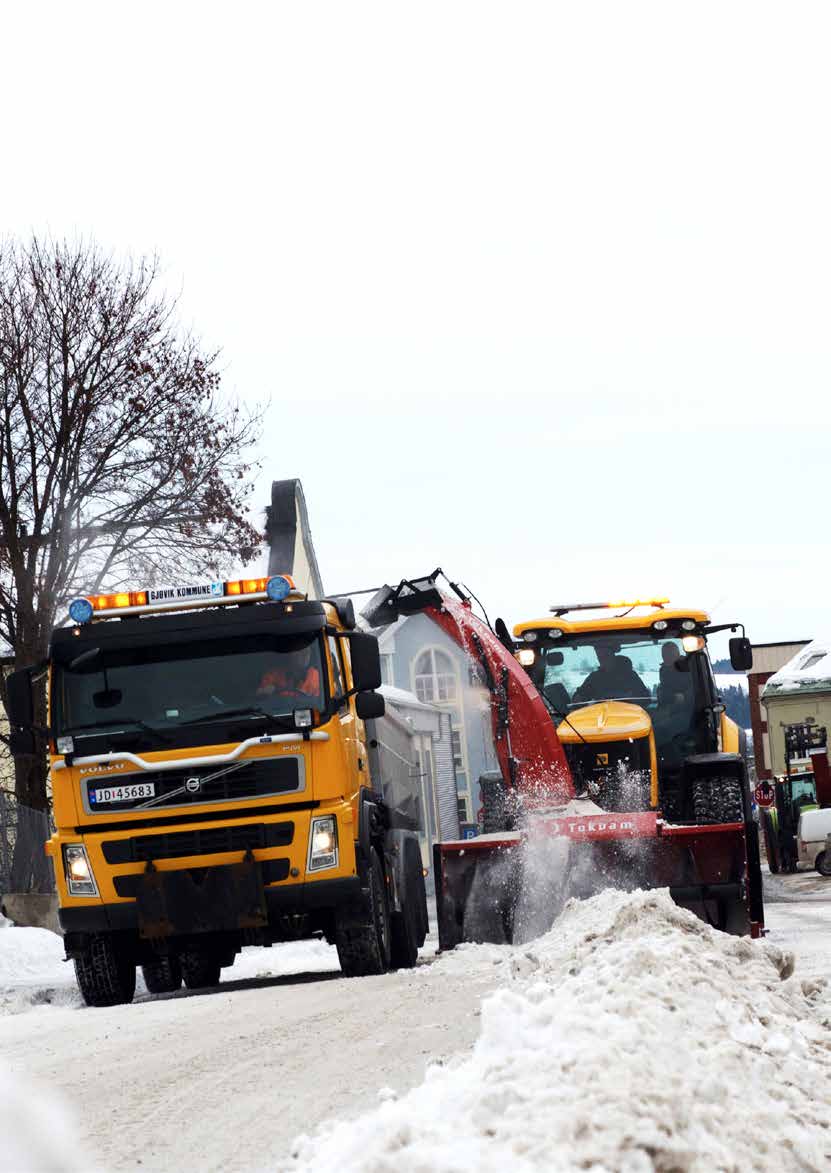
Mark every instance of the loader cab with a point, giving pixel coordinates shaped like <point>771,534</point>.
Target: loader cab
<point>633,695</point>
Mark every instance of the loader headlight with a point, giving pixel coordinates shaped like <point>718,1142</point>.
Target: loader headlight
<point>323,843</point>
<point>79,877</point>
<point>660,624</point>
<point>302,718</point>
<point>526,656</point>
<point>692,643</point>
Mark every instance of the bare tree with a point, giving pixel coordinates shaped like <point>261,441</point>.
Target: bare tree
<point>119,460</point>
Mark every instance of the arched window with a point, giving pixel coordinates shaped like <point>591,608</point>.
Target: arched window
<point>435,677</point>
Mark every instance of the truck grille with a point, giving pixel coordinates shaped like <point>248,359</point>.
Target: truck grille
<point>199,841</point>
<point>250,778</point>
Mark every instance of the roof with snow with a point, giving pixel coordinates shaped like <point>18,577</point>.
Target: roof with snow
<point>808,671</point>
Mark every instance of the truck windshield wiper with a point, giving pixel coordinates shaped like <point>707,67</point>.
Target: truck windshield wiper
<point>250,711</point>
<point>157,733</point>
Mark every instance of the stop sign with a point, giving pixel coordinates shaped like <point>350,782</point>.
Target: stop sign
<point>763,794</point>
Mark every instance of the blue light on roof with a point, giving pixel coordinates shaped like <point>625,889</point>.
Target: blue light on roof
<point>278,587</point>
<point>80,610</point>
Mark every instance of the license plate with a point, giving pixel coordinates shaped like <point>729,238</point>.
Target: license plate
<point>126,793</point>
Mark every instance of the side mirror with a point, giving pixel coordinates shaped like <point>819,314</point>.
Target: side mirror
<point>366,661</point>
<point>369,705</point>
<point>741,654</point>
<point>19,704</point>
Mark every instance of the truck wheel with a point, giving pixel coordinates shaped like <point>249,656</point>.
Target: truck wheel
<point>363,940</point>
<point>771,850</point>
<point>106,974</point>
<point>162,975</point>
<point>200,968</point>
<point>717,799</point>
<point>823,863</point>
<point>408,925</point>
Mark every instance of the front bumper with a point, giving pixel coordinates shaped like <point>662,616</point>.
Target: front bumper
<point>222,873</point>
<point>290,900</point>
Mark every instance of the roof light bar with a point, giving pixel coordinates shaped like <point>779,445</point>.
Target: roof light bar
<point>275,588</point>
<point>562,608</point>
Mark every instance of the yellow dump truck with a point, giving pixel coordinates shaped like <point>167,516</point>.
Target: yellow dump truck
<point>211,786</point>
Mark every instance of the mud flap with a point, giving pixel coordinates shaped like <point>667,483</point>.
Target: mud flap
<point>201,900</point>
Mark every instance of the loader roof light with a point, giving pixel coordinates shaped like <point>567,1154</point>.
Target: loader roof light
<point>562,608</point>
<point>530,637</point>
<point>660,624</point>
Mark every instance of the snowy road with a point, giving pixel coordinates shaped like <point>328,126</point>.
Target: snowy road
<point>227,1079</point>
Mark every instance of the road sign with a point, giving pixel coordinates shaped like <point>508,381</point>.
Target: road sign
<point>764,794</point>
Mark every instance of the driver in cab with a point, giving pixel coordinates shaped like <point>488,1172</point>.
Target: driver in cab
<point>613,679</point>
<point>295,677</point>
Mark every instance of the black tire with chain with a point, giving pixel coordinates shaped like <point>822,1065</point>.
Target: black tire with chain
<point>162,975</point>
<point>717,799</point>
<point>106,974</point>
<point>200,968</point>
<point>408,928</point>
<point>363,937</point>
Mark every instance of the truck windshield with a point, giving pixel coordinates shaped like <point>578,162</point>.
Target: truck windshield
<point>642,669</point>
<point>160,688</point>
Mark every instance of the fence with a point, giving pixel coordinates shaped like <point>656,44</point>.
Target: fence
<point>24,867</point>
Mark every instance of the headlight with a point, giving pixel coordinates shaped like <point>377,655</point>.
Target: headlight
<point>302,718</point>
<point>79,877</point>
<point>692,643</point>
<point>526,656</point>
<point>323,843</point>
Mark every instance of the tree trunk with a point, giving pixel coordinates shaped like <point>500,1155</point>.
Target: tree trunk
<point>31,870</point>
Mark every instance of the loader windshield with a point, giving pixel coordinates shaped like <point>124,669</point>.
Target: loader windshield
<point>636,667</point>
<point>180,688</point>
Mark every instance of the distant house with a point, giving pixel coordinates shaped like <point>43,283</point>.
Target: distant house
<point>767,660</point>
<point>418,657</point>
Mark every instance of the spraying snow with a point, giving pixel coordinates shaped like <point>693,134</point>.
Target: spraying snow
<point>631,1037</point>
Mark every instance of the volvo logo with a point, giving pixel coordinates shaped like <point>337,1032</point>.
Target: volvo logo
<point>193,785</point>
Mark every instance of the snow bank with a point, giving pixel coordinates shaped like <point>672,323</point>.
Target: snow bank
<point>33,971</point>
<point>631,1037</point>
<point>38,1135</point>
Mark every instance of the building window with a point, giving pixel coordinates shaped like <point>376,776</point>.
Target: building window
<point>461,800</point>
<point>435,677</point>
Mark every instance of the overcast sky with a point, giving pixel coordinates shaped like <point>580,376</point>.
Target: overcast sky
<point>537,292</point>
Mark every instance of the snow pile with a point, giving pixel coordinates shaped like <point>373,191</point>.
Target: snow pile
<point>37,1134</point>
<point>807,671</point>
<point>631,1037</point>
<point>33,971</point>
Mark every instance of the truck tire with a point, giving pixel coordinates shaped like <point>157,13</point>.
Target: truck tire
<point>771,848</point>
<point>823,863</point>
<point>362,938</point>
<point>408,926</point>
<point>163,975</point>
<point>717,799</point>
<point>106,974</point>
<point>200,968</point>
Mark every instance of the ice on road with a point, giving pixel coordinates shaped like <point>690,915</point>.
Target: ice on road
<point>631,1037</point>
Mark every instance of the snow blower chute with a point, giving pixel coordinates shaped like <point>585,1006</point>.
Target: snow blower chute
<point>614,770</point>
